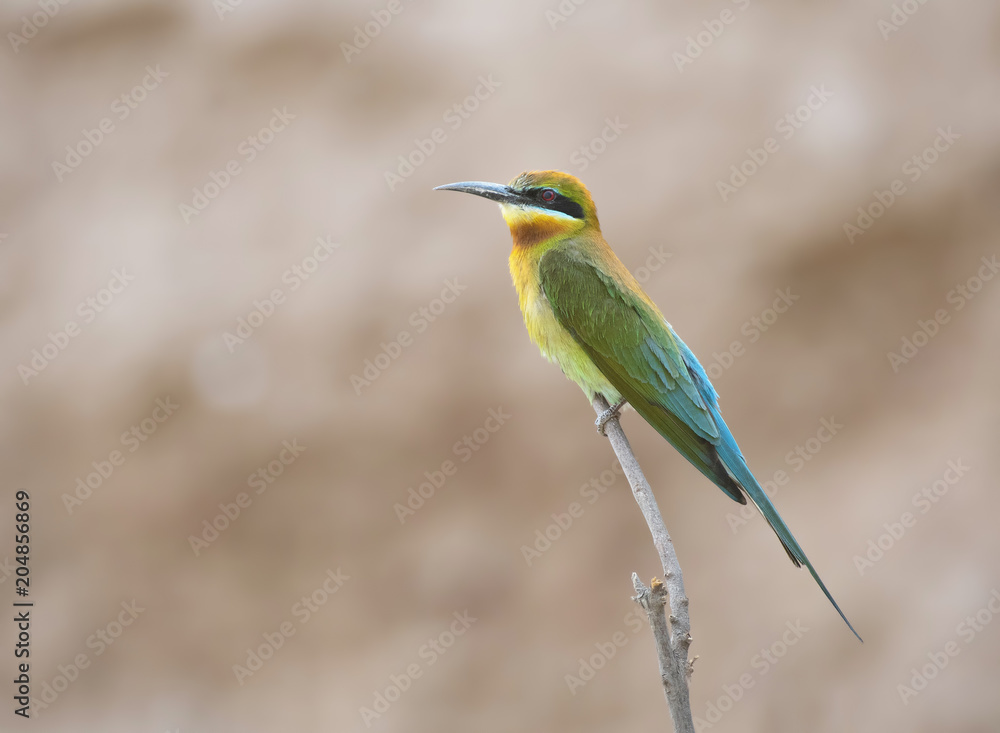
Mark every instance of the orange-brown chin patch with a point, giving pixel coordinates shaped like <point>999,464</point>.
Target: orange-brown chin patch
<point>530,227</point>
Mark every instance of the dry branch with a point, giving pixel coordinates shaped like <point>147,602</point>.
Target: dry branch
<point>673,639</point>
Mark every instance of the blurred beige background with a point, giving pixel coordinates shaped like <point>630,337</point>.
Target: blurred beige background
<point>259,135</point>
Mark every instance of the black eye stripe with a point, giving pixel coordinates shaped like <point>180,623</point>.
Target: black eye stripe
<point>560,203</point>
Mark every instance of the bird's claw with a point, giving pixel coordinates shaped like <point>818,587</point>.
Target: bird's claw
<point>612,412</point>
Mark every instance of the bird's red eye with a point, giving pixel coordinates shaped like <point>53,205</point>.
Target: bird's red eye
<point>548,195</point>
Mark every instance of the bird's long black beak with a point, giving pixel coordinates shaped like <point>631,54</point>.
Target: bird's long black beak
<point>492,191</point>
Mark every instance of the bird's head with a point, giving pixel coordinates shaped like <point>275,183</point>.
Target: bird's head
<point>538,206</point>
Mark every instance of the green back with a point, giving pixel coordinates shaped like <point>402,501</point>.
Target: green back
<point>638,353</point>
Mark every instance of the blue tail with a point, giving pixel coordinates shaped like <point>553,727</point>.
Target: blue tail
<point>741,479</point>
<point>737,468</point>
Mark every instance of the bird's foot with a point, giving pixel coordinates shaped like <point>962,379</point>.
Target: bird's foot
<point>611,412</point>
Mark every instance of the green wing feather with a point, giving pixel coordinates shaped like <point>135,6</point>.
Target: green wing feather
<point>642,358</point>
<point>635,350</point>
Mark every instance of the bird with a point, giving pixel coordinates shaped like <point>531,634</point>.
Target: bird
<point>587,313</point>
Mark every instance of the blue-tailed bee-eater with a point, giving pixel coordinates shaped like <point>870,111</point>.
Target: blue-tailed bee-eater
<point>587,313</point>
